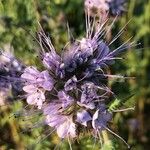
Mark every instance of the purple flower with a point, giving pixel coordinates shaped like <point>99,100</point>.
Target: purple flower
<point>36,83</point>
<point>101,117</point>
<point>65,99</point>
<point>78,54</point>
<point>102,58</point>
<point>71,84</point>
<point>116,7</point>
<point>35,95</point>
<point>30,74</point>
<point>101,7</point>
<point>62,123</point>
<point>10,72</point>
<point>53,116</point>
<point>45,81</point>
<point>78,97</point>
<point>67,128</point>
<point>89,93</point>
<point>51,61</point>
<point>71,58</point>
<point>39,79</point>
<point>83,117</point>
<point>87,46</point>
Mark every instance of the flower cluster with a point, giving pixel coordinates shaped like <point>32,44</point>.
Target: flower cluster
<point>10,70</point>
<point>116,7</point>
<point>102,7</point>
<point>71,91</point>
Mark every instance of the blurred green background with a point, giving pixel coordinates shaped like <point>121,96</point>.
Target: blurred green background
<point>18,18</point>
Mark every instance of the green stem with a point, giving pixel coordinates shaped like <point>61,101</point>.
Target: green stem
<point>108,143</point>
<point>105,136</point>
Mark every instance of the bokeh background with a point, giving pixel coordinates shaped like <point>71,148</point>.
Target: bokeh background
<point>19,18</point>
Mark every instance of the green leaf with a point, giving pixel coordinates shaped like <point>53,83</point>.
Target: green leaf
<point>117,103</point>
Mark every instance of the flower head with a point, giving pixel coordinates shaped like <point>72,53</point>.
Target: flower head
<point>74,79</point>
<point>102,7</point>
<point>70,90</point>
<point>62,123</point>
<point>96,7</point>
<point>10,71</point>
<point>116,7</point>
